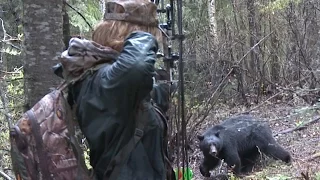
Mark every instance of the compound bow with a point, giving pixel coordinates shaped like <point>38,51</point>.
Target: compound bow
<point>169,58</point>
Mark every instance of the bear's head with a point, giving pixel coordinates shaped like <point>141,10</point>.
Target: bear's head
<point>210,142</point>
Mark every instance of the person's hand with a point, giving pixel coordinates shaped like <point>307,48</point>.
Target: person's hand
<point>152,42</point>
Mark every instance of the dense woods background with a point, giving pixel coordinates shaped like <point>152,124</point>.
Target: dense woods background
<point>240,56</point>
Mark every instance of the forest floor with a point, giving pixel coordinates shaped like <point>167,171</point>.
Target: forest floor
<point>303,144</point>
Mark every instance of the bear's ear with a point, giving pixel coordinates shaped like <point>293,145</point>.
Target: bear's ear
<point>200,137</point>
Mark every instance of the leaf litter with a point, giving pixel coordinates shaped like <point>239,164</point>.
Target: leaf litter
<point>304,144</point>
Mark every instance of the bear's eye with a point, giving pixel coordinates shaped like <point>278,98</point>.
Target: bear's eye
<point>217,134</point>
<point>200,137</point>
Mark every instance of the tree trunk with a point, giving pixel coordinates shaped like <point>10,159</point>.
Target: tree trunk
<point>102,6</point>
<point>254,62</point>
<point>212,20</point>
<point>43,40</point>
<point>275,64</point>
<point>241,77</point>
<point>213,43</point>
<point>251,22</point>
<point>66,26</point>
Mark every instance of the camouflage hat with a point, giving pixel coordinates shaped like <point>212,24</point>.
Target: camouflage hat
<point>143,12</point>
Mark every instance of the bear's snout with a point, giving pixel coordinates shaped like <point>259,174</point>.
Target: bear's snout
<point>213,150</point>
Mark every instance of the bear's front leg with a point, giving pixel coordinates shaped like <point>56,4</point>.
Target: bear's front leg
<point>204,170</point>
<point>233,160</point>
<point>209,163</point>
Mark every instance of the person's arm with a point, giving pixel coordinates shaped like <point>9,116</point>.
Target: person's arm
<point>138,56</point>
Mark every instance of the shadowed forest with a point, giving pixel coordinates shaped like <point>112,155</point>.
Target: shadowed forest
<point>260,57</point>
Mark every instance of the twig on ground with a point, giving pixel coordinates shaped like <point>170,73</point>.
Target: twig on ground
<point>300,127</point>
<point>314,156</point>
<point>305,176</point>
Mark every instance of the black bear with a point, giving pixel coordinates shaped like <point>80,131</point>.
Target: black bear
<point>238,140</point>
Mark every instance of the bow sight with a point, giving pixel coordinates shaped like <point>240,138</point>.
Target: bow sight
<point>167,29</point>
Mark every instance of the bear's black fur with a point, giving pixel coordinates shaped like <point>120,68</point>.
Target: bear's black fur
<point>238,141</point>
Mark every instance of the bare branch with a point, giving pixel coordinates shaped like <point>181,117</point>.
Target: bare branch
<point>3,29</point>
<point>5,176</point>
<point>305,175</point>
<point>79,15</point>
<point>314,156</point>
<point>16,71</point>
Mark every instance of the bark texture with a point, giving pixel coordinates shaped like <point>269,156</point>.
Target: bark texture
<point>43,41</point>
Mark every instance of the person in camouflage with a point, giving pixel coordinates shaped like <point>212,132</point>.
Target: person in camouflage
<point>125,131</point>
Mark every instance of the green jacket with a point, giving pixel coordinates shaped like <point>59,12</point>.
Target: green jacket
<point>107,102</point>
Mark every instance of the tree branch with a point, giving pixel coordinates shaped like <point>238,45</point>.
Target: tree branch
<point>3,29</point>
<point>5,150</point>
<point>5,176</point>
<point>314,156</point>
<point>79,15</point>
<point>300,127</point>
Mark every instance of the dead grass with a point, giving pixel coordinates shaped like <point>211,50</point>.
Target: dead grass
<point>304,144</point>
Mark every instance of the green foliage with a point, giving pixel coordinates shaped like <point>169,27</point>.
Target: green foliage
<point>233,177</point>
<point>4,136</point>
<point>224,9</point>
<point>15,90</point>
<point>89,9</point>
<point>299,123</point>
<point>87,157</point>
<point>11,51</point>
<point>317,176</point>
<point>278,177</point>
<point>194,21</point>
<point>279,5</point>
<point>4,147</point>
<point>14,95</point>
<point>305,111</point>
